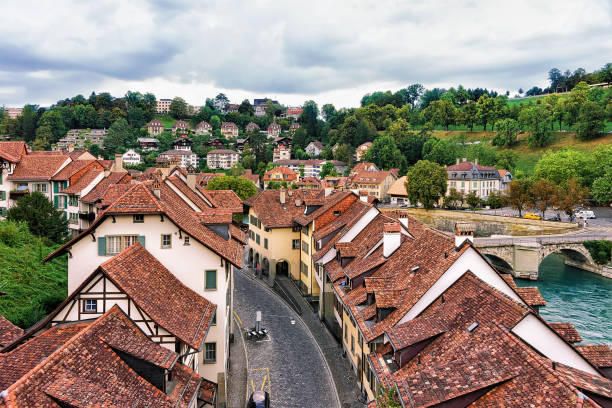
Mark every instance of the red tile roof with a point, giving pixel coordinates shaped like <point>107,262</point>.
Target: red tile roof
<point>286,173</point>
<point>600,355</point>
<point>226,199</point>
<point>273,214</point>
<point>371,177</point>
<point>12,151</point>
<point>531,295</point>
<point>567,331</point>
<point>38,167</point>
<point>84,181</point>
<point>467,166</point>
<point>72,168</point>
<point>160,294</point>
<point>8,331</point>
<point>85,369</point>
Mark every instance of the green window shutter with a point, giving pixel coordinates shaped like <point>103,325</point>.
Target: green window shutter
<point>141,240</point>
<point>3,195</point>
<point>55,187</point>
<point>211,280</point>
<point>56,201</point>
<point>3,211</point>
<point>101,245</point>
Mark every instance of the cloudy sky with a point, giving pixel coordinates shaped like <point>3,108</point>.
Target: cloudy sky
<point>330,51</point>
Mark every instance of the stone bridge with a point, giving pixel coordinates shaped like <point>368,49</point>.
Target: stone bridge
<point>522,256</point>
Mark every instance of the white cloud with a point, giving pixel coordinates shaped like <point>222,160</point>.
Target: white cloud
<point>327,51</point>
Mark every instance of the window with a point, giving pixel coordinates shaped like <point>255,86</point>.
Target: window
<point>214,319</point>
<point>304,268</point>
<point>345,332</point>
<point>296,244</point>
<point>117,243</point>
<point>138,218</point>
<point>336,213</point>
<point>266,243</point>
<point>166,241</point>
<point>352,344</point>
<point>304,246</point>
<point>73,201</point>
<point>60,201</point>
<point>305,230</point>
<point>210,353</point>
<point>211,280</point>
<point>3,211</point>
<point>257,239</point>
<point>40,187</point>
<point>186,240</point>
<point>91,306</point>
<point>73,218</point>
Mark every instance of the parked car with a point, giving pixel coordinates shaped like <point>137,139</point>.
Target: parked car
<point>259,399</point>
<point>532,216</point>
<point>554,218</point>
<point>584,214</point>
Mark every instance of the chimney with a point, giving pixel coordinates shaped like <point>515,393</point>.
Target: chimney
<point>298,202</point>
<point>476,162</point>
<point>363,196</point>
<point>458,160</point>
<point>464,231</point>
<point>118,162</point>
<point>191,180</point>
<point>392,238</point>
<point>282,196</point>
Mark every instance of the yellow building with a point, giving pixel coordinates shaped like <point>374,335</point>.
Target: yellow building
<point>375,183</point>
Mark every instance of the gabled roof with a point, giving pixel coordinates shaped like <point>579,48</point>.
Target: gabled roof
<point>84,181</point>
<point>600,355</point>
<point>371,177</point>
<point>38,167</point>
<point>225,199</point>
<point>12,151</point>
<point>567,331</point>
<point>80,364</point>
<point>71,169</point>
<point>273,213</point>
<point>8,331</point>
<point>172,305</point>
<point>398,188</point>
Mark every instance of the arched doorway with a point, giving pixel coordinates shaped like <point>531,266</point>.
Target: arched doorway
<point>282,268</point>
<point>250,256</point>
<point>256,260</point>
<point>265,267</point>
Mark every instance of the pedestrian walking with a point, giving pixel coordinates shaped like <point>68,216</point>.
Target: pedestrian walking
<point>258,270</point>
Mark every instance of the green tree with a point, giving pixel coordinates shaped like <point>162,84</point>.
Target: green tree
<point>43,219</point>
<point>453,197</point>
<point>506,159</point>
<point>328,110</point>
<point>591,121</point>
<point>537,119</point>
<point>469,114</point>
<point>562,165</point>
<point>602,188</point>
<point>518,195</point>
<point>572,194</point>
<point>248,157</point>
<point>117,137</point>
<point>440,151</point>
<point>243,188</point>
<point>385,154</point>
<point>43,135</point>
<point>246,108</point>
<point>507,131</point>
<point>487,110</point>
<point>328,169</point>
<point>215,122</point>
<point>495,200</point>
<point>426,183</point>
<point>472,200</point>
<point>179,108</point>
<point>441,112</point>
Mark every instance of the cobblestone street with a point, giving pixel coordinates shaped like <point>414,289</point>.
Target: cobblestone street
<point>288,364</point>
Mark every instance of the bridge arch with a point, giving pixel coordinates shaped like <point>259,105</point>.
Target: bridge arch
<point>575,255</point>
<point>501,264</point>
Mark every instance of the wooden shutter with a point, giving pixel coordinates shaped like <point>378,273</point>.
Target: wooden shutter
<point>55,187</point>
<point>56,200</point>
<point>141,240</point>
<point>101,245</point>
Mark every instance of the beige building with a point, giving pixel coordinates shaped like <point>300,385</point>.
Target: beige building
<point>229,130</point>
<point>163,106</point>
<point>362,150</point>
<point>188,233</point>
<point>203,128</point>
<point>222,159</point>
<point>155,127</point>
<point>281,153</point>
<point>373,183</point>
<point>467,177</point>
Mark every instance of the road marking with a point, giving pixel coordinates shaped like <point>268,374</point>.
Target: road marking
<point>237,317</point>
<point>252,385</point>
<point>264,382</point>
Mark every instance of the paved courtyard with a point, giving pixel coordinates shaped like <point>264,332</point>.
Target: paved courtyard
<point>288,364</point>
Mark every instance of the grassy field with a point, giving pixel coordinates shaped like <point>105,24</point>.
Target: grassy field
<point>33,289</point>
<point>167,120</point>
<point>528,157</point>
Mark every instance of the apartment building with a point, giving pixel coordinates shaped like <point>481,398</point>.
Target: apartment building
<point>131,158</point>
<point>181,153</point>
<point>75,138</point>
<point>222,159</point>
<point>280,174</point>
<point>148,144</point>
<point>294,112</point>
<point>373,183</point>
<point>281,153</point>
<point>180,126</point>
<point>467,177</point>
<point>311,167</point>
<point>10,155</point>
<point>163,105</point>
<point>191,235</point>
<point>155,127</point>
<point>13,113</point>
<point>229,130</point>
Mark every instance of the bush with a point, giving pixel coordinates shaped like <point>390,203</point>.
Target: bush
<point>600,250</point>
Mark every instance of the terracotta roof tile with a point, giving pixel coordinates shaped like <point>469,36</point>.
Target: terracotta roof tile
<point>8,331</point>
<point>600,355</point>
<point>84,181</point>
<point>370,177</point>
<point>159,294</point>
<point>273,214</point>
<point>226,199</point>
<point>12,151</point>
<point>37,167</point>
<point>84,369</point>
<point>72,168</point>
<point>531,295</point>
<point>566,330</point>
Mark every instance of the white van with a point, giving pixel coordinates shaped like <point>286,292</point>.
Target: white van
<point>584,214</point>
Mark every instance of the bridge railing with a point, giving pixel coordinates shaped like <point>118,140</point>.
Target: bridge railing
<point>538,240</point>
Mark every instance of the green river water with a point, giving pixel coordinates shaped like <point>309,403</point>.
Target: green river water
<point>576,296</point>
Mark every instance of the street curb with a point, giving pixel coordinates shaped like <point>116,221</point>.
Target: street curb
<point>246,359</point>
<point>307,329</point>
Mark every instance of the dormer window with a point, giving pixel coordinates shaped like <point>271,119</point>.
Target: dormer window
<point>138,218</point>
<point>336,213</point>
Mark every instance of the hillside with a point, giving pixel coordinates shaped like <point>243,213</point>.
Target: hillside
<point>30,289</point>
<point>527,156</point>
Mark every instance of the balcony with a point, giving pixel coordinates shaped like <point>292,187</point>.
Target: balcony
<point>87,216</point>
<point>16,194</point>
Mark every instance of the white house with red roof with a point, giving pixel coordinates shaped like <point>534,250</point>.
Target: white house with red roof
<point>467,177</point>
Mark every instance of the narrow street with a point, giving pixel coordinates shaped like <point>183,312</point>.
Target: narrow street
<point>288,363</point>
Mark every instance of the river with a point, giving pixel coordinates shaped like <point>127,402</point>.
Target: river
<point>576,296</point>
